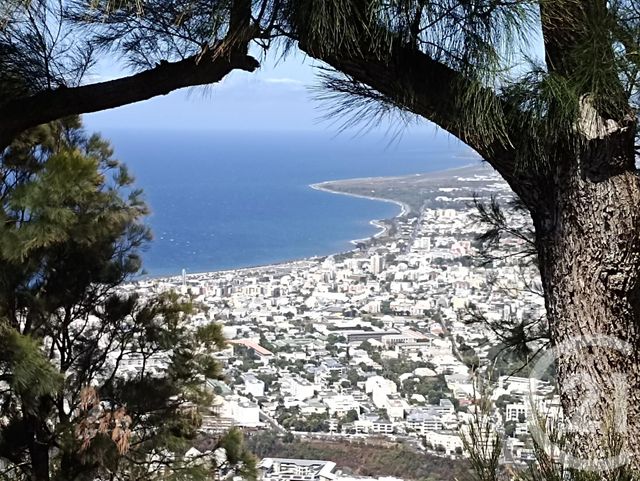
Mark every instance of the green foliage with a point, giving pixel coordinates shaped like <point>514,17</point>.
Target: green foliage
<point>266,344</point>
<point>353,377</point>
<point>351,416</point>
<point>510,429</point>
<point>268,380</point>
<point>364,459</point>
<point>312,423</point>
<point>432,388</point>
<point>394,368</point>
<point>502,401</point>
<point>72,230</point>
<point>237,454</point>
<point>469,356</point>
<point>333,339</point>
<point>25,368</point>
<point>211,336</point>
<point>373,352</point>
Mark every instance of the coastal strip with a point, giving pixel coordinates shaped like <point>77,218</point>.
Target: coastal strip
<point>446,174</point>
<point>404,209</point>
<point>322,186</point>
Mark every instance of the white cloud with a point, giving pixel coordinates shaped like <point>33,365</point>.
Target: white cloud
<point>283,80</point>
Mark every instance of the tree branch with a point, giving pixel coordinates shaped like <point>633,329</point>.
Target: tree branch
<point>21,114</point>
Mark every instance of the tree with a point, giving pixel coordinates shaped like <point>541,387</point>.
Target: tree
<point>169,44</point>
<point>510,428</point>
<point>503,400</point>
<point>97,383</point>
<point>560,131</point>
<point>351,416</point>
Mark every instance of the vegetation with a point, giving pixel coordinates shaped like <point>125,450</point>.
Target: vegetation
<point>432,388</point>
<point>469,356</point>
<point>376,458</point>
<point>97,384</point>
<point>484,446</point>
<point>291,419</point>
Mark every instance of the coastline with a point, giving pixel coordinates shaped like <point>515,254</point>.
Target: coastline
<point>321,186</point>
<point>377,223</point>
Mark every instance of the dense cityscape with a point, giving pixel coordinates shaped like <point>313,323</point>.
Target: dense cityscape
<point>378,342</point>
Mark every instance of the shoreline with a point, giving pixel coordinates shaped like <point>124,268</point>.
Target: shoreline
<point>404,208</point>
<point>321,186</point>
<point>377,223</point>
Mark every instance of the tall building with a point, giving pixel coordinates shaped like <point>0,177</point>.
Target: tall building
<point>423,243</point>
<point>376,264</point>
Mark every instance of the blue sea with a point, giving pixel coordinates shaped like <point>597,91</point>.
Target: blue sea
<point>223,200</point>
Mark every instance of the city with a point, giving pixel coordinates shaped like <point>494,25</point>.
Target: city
<point>377,342</point>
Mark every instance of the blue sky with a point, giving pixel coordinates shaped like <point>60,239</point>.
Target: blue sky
<point>276,97</point>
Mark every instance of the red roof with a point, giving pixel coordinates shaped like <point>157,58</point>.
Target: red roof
<point>261,351</point>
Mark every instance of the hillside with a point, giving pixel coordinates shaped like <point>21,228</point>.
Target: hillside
<point>374,458</point>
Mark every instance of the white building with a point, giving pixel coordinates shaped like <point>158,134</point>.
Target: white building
<point>424,419</point>
<point>376,264</point>
<point>341,404</point>
<point>240,410</point>
<point>380,388</point>
<point>514,412</point>
<point>395,407</point>
<point>301,389</point>
<point>280,469</point>
<point>450,441</point>
<point>377,426</point>
<point>253,386</point>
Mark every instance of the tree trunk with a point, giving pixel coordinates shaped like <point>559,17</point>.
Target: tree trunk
<point>38,449</point>
<point>588,236</point>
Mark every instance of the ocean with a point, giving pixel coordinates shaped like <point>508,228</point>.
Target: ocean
<point>224,200</point>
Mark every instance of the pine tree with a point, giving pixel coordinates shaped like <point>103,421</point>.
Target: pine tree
<point>97,382</point>
<point>48,46</point>
<point>562,132</point>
